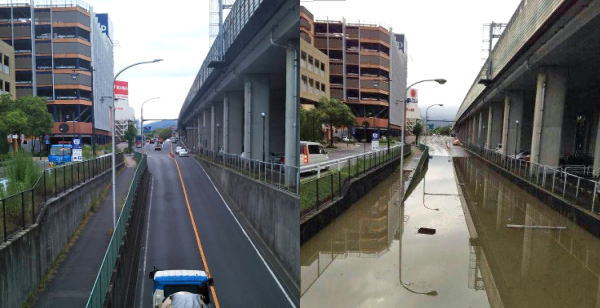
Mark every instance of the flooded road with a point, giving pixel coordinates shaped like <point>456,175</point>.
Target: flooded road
<point>374,256</point>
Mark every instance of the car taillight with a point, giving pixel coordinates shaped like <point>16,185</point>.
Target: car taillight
<point>305,158</point>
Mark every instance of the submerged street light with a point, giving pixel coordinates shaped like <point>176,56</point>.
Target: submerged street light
<point>113,156</point>
<point>263,115</point>
<point>427,120</point>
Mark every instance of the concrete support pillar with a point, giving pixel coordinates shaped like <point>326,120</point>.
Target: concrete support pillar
<point>291,155</point>
<point>480,129</point>
<point>505,125</point>
<point>213,145</point>
<point>198,141</point>
<point>256,128</point>
<point>235,126</point>
<point>596,171</point>
<point>488,135</point>
<point>225,126</point>
<point>548,117</point>
<point>474,129</point>
<point>515,101</point>
<point>496,125</point>
<point>204,130</point>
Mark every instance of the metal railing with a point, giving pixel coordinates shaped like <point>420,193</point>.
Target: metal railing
<point>20,210</point>
<point>280,176</point>
<point>103,279</point>
<point>578,190</point>
<point>325,186</point>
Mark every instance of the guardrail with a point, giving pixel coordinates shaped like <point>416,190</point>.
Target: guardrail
<point>578,190</point>
<point>20,210</point>
<point>324,187</point>
<point>281,176</point>
<point>103,279</point>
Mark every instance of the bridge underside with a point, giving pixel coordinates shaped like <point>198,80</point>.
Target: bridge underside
<point>546,101</point>
<point>250,108</point>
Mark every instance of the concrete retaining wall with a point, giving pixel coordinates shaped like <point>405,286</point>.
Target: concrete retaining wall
<point>25,259</point>
<point>272,213</point>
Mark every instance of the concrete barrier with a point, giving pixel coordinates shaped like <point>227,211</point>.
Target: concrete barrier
<point>25,259</point>
<point>273,213</point>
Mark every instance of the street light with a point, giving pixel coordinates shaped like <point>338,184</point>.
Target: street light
<point>219,134</point>
<point>516,137</point>
<point>427,120</point>
<point>263,115</point>
<point>142,116</point>
<point>439,81</point>
<point>113,156</point>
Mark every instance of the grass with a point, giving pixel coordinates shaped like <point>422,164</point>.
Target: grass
<point>330,184</point>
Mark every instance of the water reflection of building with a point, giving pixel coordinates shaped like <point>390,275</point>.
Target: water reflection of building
<point>366,230</point>
<point>526,267</point>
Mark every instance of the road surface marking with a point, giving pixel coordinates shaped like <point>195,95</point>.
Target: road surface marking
<point>146,243</point>
<point>248,237</point>
<point>198,241</point>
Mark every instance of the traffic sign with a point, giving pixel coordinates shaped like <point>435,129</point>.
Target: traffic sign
<point>77,155</point>
<point>76,143</point>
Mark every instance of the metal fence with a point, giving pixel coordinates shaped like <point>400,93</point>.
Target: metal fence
<point>103,279</point>
<point>281,176</point>
<point>326,186</point>
<point>582,191</point>
<point>20,210</point>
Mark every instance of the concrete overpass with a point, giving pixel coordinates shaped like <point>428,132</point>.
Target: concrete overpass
<point>539,90</point>
<point>244,98</point>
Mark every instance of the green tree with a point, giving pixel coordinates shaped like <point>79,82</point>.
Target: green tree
<point>130,135</point>
<point>163,133</point>
<point>335,114</point>
<point>25,115</point>
<point>311,121</point>
<point>417,130</point>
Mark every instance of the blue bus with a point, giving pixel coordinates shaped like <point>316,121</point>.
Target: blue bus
<point>60,154</point>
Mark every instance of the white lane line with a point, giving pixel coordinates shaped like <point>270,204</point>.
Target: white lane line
<point>146,243</point>
<point>248,237</point>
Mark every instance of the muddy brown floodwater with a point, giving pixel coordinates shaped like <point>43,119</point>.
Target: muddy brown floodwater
<point>374,256</point>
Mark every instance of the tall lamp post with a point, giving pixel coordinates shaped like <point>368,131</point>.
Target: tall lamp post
<point>516,136</point>
<point>142,116</point>
<point>219,134</point>
<point>113,156</point>
<point>263,115</point>
<point>438,80</point>
<point>427,120</point>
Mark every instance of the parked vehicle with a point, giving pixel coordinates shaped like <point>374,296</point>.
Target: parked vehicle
<point>312,153</point>
<point>60,154</point>
<point>183,153</point>
<point>181,288</point>
<point>157,146</point>
<point>345,139</point>
<point>525,155</point>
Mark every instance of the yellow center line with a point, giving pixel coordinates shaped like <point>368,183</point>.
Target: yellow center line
<point>191,215</point>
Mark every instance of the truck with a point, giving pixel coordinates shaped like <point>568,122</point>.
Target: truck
<point>60,154</point>
<point>180,288</point>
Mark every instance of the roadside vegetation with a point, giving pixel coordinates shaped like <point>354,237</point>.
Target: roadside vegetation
<point>330,113</point>
<point>21,171</point>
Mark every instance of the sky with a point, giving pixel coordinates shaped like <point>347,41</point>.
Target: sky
<point>176,31</point>
<point>444,39</point>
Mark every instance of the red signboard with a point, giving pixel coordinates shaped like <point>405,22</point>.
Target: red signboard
<point>121,89</point>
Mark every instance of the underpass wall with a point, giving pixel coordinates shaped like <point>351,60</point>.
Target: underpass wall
<point>273,213</point>
<point>25,259</point>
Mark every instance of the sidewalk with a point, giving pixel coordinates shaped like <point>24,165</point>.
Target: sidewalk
<point>73,280</point>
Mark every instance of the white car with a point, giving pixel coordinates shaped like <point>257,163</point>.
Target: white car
<point>177,149</point>
<point>182,153</point>
<point>312,153</point>
<point>346,139</point>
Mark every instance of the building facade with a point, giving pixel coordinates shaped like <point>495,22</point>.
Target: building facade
<point>71,57</point>
<point>363,60</point>
<point>7,69</point>
<point>314,65</point>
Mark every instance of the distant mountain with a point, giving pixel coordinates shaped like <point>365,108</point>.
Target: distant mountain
<point>161,124</point>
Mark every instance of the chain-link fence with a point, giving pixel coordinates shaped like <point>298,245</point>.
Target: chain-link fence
<point>579,190</point>
<point>331,176</point>
<point>20,210</point>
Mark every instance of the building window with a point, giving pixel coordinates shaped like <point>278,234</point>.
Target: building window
<point>7,86</point>
<point>6,64</point>
<point>303,55</point>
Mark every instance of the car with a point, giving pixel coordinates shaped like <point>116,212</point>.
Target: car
<point>177,149</point>
<point>182,153</point>
<point>312,153</point>
<point>345,139</point>
<point>181,288</point>
<point>525,155</point>
<point>158,146</point>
